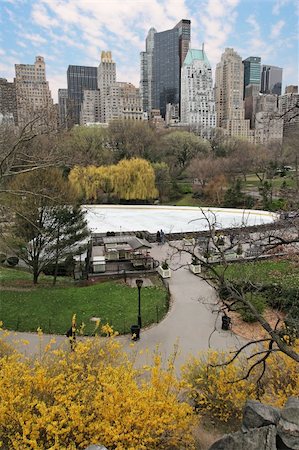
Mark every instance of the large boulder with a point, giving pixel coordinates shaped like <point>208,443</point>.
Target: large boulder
<point>255,439</point>
<point>288,426</point>
<point>256,415</point>
<point>290,412</point>
<point>96,447</point>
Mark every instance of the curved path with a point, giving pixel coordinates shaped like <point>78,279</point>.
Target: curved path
<point>189,322</point>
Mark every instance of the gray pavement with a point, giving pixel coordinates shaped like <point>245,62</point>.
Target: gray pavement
<point>188,324</point>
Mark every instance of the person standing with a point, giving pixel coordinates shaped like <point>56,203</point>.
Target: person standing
<point>158,237</point>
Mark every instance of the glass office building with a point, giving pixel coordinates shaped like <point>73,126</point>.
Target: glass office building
<point>170,50</point>
<point>78,79</point>
<point>252,71</point>
<point>271,80</point>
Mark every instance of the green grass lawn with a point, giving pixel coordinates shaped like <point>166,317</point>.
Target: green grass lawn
<point>284,273</point>
<point>252,181</point>
<point>51,308</point>
<point>187,200</point>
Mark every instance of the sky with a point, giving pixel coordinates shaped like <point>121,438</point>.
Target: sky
<point>76,31</point>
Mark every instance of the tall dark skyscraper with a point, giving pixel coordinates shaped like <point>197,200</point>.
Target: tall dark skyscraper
<point>271,80</point>
<point>252,71</point>
<point>78,79</point>
<point>169,52</point>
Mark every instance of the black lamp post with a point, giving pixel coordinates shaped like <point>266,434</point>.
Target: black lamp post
<point>139,284</point>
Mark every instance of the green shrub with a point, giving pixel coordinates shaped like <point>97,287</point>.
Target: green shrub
<point>258,301</point>
<point>12,261</point>
<point>165,265</point>
<point>64,269</point>
<point>185,188</point>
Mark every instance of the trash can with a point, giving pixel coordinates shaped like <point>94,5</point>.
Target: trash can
<point>226,322</point>
<point>135,331</point>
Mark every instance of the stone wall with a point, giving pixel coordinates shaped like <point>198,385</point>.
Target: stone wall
<point>265,428</point>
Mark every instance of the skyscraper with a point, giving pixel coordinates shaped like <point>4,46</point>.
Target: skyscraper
<point>78,79</point>
<point>90,108</point>
<point>106,70</point>
<point>289,108</point>
<point>62,107</point>
<point>146,71</point>
<point>252,71</point>
<point>106,77</point>
<point>8,101</point>
<point>268,123</point>
<point>271,80</point>
<point>229,95</point>
<point>32,89</point>
<point>169,52</point>
<point>197,95</point>
<point>112,100</point>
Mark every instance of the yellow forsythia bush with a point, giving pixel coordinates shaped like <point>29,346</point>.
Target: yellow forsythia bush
<point>69,400</point>
<point>213,389</point>
<point>216,393</point>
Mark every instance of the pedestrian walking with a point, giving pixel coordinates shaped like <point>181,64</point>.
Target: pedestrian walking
<point>71,333</point>
<point>158,237</point>
<point>162,235</point>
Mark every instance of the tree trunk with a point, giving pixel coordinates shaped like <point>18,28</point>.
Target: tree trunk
<point>35,276</point>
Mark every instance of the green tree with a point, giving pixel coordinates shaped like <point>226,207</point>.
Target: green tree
<point>131,139</point>
<point>68,227</point>
<point>180,147</point>
<point>47,226</point>
<point>235,198</point>
<point>163,180</point>
<point>88,146</point>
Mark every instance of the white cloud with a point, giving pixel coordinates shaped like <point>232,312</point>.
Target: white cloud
<point>41,16</point>
<point>251,20</point>
<point>35,39</point>
<point>119,25</point>
<point>276,29</point>
<point>22,44</point>
<point>216,19</point>
<point>278,5</point>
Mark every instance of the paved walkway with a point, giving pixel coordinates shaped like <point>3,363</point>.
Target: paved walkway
<point>189,322</point>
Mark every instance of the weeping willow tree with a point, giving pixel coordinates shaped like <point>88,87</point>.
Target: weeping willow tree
<point>134,179</point>
<point>130,179</point>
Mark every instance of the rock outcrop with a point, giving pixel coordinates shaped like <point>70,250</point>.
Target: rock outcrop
<point>265,428</point>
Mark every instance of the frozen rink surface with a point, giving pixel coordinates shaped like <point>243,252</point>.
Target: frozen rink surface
<point>171,219</point>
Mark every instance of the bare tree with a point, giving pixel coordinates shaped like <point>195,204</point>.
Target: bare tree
<point>216,251</point>
<point>17,152</point>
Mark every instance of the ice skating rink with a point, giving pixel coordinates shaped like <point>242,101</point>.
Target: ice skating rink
<point>171,219</point>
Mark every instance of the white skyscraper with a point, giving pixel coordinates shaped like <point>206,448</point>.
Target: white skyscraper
<point>197,95</point>
<point>106,77</point>
<point>91,106</point>
<point>113,100</point>
<point>32,90</point>
<point>229,88</point>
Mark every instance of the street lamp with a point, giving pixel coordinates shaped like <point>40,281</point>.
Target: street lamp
<point>139,284</point>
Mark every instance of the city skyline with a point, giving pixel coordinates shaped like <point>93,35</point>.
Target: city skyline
<point>68,33</point>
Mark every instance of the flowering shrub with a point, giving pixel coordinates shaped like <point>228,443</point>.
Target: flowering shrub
<point>71,399</point>
<point>215,391</point>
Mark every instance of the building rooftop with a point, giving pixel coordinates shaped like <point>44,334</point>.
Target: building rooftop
<point>195,55</point>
